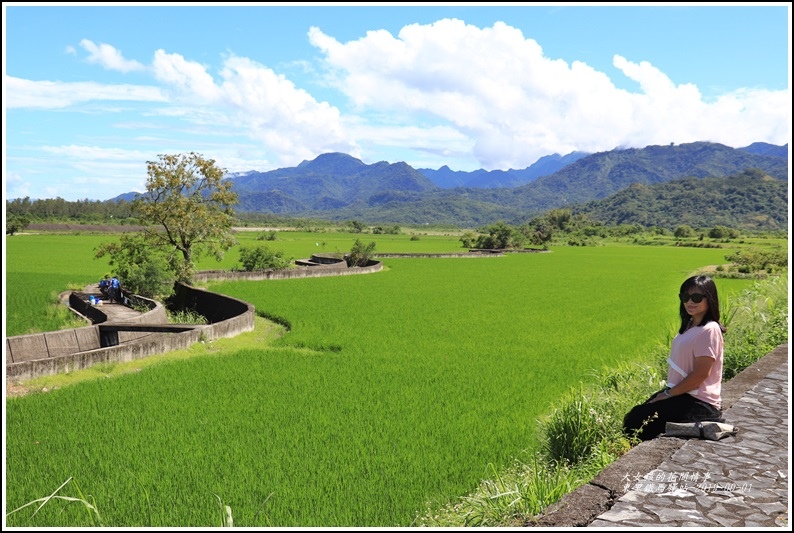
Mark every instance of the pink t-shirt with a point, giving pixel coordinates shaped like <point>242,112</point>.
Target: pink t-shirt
<point>705,341</point>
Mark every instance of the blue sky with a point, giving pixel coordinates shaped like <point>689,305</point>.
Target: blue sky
<point>93,92</point>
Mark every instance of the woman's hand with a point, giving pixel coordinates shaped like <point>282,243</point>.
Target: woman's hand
<point>658,396</point>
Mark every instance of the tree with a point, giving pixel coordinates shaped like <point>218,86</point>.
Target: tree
<point>501,236</point>
<point>262,258</point>
<point>360,254</point>
<point>684,231</point>
<point>468,239</point>
<point>356,226</point>
<point>16,223</point>
<point>141,269</point>
<point>188,206</point>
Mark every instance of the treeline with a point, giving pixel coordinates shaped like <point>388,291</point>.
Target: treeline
<point>564,227</point>
<point>81,211</point>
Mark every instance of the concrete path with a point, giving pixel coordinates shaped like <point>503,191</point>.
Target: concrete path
<point>115,312</point>
<point>739,481</point>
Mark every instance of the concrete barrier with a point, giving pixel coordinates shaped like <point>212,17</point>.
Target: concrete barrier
<point>291,273</point>
<point>148,334</point>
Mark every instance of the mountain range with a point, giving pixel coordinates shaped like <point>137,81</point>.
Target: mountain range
<point>337,186</point>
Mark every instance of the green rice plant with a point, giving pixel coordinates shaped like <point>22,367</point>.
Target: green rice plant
<point>389,390</point>
<point>37,268</point>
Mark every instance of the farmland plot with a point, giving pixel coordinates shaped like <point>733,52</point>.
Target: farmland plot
<point>390,390</point>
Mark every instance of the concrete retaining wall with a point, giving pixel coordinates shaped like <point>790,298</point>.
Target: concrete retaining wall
<point>156,344</point>
<point>148,334</point>
<point>227,316</point>
<point>292,273</point>
<point>451,254</point>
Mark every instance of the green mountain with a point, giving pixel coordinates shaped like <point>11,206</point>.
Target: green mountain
<point>749,200</point>
<point>329,182</point>
<point>339,187</point>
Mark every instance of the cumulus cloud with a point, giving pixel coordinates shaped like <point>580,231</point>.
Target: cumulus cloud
<point>498,88</point>
<point>109,57</point>
<point>284,118</point>
<point>445,93</point>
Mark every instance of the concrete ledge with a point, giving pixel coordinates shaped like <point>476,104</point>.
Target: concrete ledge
<point>580,507</point>
<point>147,334</point>
<point>316,271</point>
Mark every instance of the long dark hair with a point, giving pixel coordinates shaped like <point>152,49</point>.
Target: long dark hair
<point>707,287</point>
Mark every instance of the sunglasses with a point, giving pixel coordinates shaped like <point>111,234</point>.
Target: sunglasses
<point>697,298</point>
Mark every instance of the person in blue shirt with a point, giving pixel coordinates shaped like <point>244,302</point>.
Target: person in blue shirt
<point>115,289</point>
<point>104,285</point>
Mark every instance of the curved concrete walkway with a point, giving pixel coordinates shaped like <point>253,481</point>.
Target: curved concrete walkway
<point>739,481</point>
<point>115,312</point>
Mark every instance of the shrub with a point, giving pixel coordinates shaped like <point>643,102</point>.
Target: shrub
<point>360,254</point>
<point>262,258</point>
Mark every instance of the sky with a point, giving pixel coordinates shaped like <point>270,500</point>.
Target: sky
<point>93,92</point>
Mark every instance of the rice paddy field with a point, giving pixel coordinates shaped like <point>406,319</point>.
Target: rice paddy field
<point>390,391</point>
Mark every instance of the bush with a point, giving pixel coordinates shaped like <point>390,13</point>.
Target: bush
<point>267,236</point>
<point>360,254</point>
<point>262,258</point>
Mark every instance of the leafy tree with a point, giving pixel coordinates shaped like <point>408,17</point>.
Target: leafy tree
<point>356,226</point>
<point>559,218</point>
<point>263,258</point>
<point>754,259</point>
<point>468,239</point>
<point>187,204</point>
<point>16,223</point>
<point>684,231</point>
<point>721,232</point>
<point>360,254</point>
<point>141,269</point>
<point>500,236</point>
<point>267,236</point>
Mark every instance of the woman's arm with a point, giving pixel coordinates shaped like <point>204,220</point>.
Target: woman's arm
<point>692,381</point>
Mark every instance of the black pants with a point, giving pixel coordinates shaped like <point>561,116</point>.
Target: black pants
<point>681,408</point>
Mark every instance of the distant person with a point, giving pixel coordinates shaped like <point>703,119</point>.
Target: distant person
<point>104,285</point>
<point>694,372</point>
<point>115,289</point>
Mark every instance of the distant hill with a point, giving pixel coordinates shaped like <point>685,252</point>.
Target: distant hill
<point>593,177</point>
<point>749,200</point>
<point>602,174</point>
<point>446,178</point>
<point>339,187</point>
<point>330,181</point>
<point>767,149</point>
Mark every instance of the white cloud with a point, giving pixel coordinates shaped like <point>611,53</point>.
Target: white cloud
<point>250,97</point>
<point>21,93</point>
<point>14,186</point>
<point>109,57</point>
<point>441,93</point>
<point>188,79</point>
<point>496,87</point>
